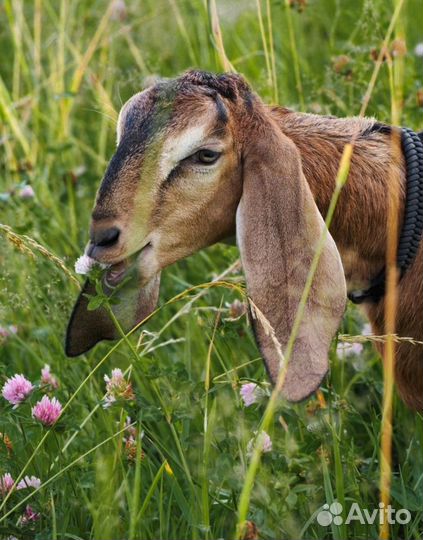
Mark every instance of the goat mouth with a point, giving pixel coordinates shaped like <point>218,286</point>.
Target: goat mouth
<point>117,271</point>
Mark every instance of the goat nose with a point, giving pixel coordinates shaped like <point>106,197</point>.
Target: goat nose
<point>105,237</point>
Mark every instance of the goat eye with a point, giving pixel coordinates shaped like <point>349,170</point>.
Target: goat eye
<point>207,157</point>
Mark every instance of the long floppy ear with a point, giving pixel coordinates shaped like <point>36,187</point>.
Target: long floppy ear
<point>86,328</point>
<point>278,228</point>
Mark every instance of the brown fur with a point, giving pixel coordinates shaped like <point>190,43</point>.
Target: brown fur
<point>278,229</point>
<point>359,226</point>
<point>275,162</point>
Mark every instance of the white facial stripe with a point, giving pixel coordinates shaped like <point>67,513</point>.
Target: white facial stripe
<point>119,126</point>
<point>180,147</point>
<point>122,115</point>
<point>119,123</point>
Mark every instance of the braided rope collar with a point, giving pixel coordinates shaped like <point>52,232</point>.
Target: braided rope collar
<point>412,229</point>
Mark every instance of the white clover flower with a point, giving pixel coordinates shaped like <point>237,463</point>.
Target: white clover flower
<point>117,387</point>
<point>27,192</point>
<point>348,349</point>
<point>263,440</point>
<point>29,481</point>
<point>366,330</point>
<point>250,393</point>
<point>418,49</point>
<point>85,263</point>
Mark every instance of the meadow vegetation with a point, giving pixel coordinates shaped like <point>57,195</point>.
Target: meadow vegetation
<point>163,451</point>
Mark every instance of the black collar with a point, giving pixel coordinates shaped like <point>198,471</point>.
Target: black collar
<point>412,229</point>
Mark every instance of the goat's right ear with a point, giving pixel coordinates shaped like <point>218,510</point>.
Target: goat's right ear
<point>278,229</point>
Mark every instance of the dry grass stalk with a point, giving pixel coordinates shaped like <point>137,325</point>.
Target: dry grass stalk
<point>21,242</point>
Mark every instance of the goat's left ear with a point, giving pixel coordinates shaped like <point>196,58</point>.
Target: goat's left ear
<point>134,303</point>
<point>278,229</point>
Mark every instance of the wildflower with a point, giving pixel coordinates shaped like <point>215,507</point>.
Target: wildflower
<point>418,49</point>
<point>357,348</point>
<point>131,443</point>
<point>131,449</point>
<point>374,54</point>
<point>250,393</point>
<point>349,349</point>
<point>299,5</point>
<point>116,380</point>
<point>29,515</point>
<point>47,379</point>
<point>341,64</point>
<point>366,330</point>
<point>130,429</point>
<point>168,468</point>
<point>47,411</point>
<point>250,531</point>
<point>8,331</point>
<point>265,442</point>
<point>117,387</point>
<point>4,333</point>
<point>29,481</point>
<point>17,389</point>
<point>236,309</point>
<point>85,263</point>
<point>118,12</point>
<point>108,401</point>
<point>6,483</point>
<point>4,437</point>
<point>316,427</point>
<point>399,48</point>
<point>130,439</point>
<point>27,193</point>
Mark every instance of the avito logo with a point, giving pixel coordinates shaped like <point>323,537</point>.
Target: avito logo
<point>333,514</point>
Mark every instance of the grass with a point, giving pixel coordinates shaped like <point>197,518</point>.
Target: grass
<point>67,68</point>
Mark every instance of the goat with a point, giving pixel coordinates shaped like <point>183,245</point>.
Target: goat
<point>200,158</point>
